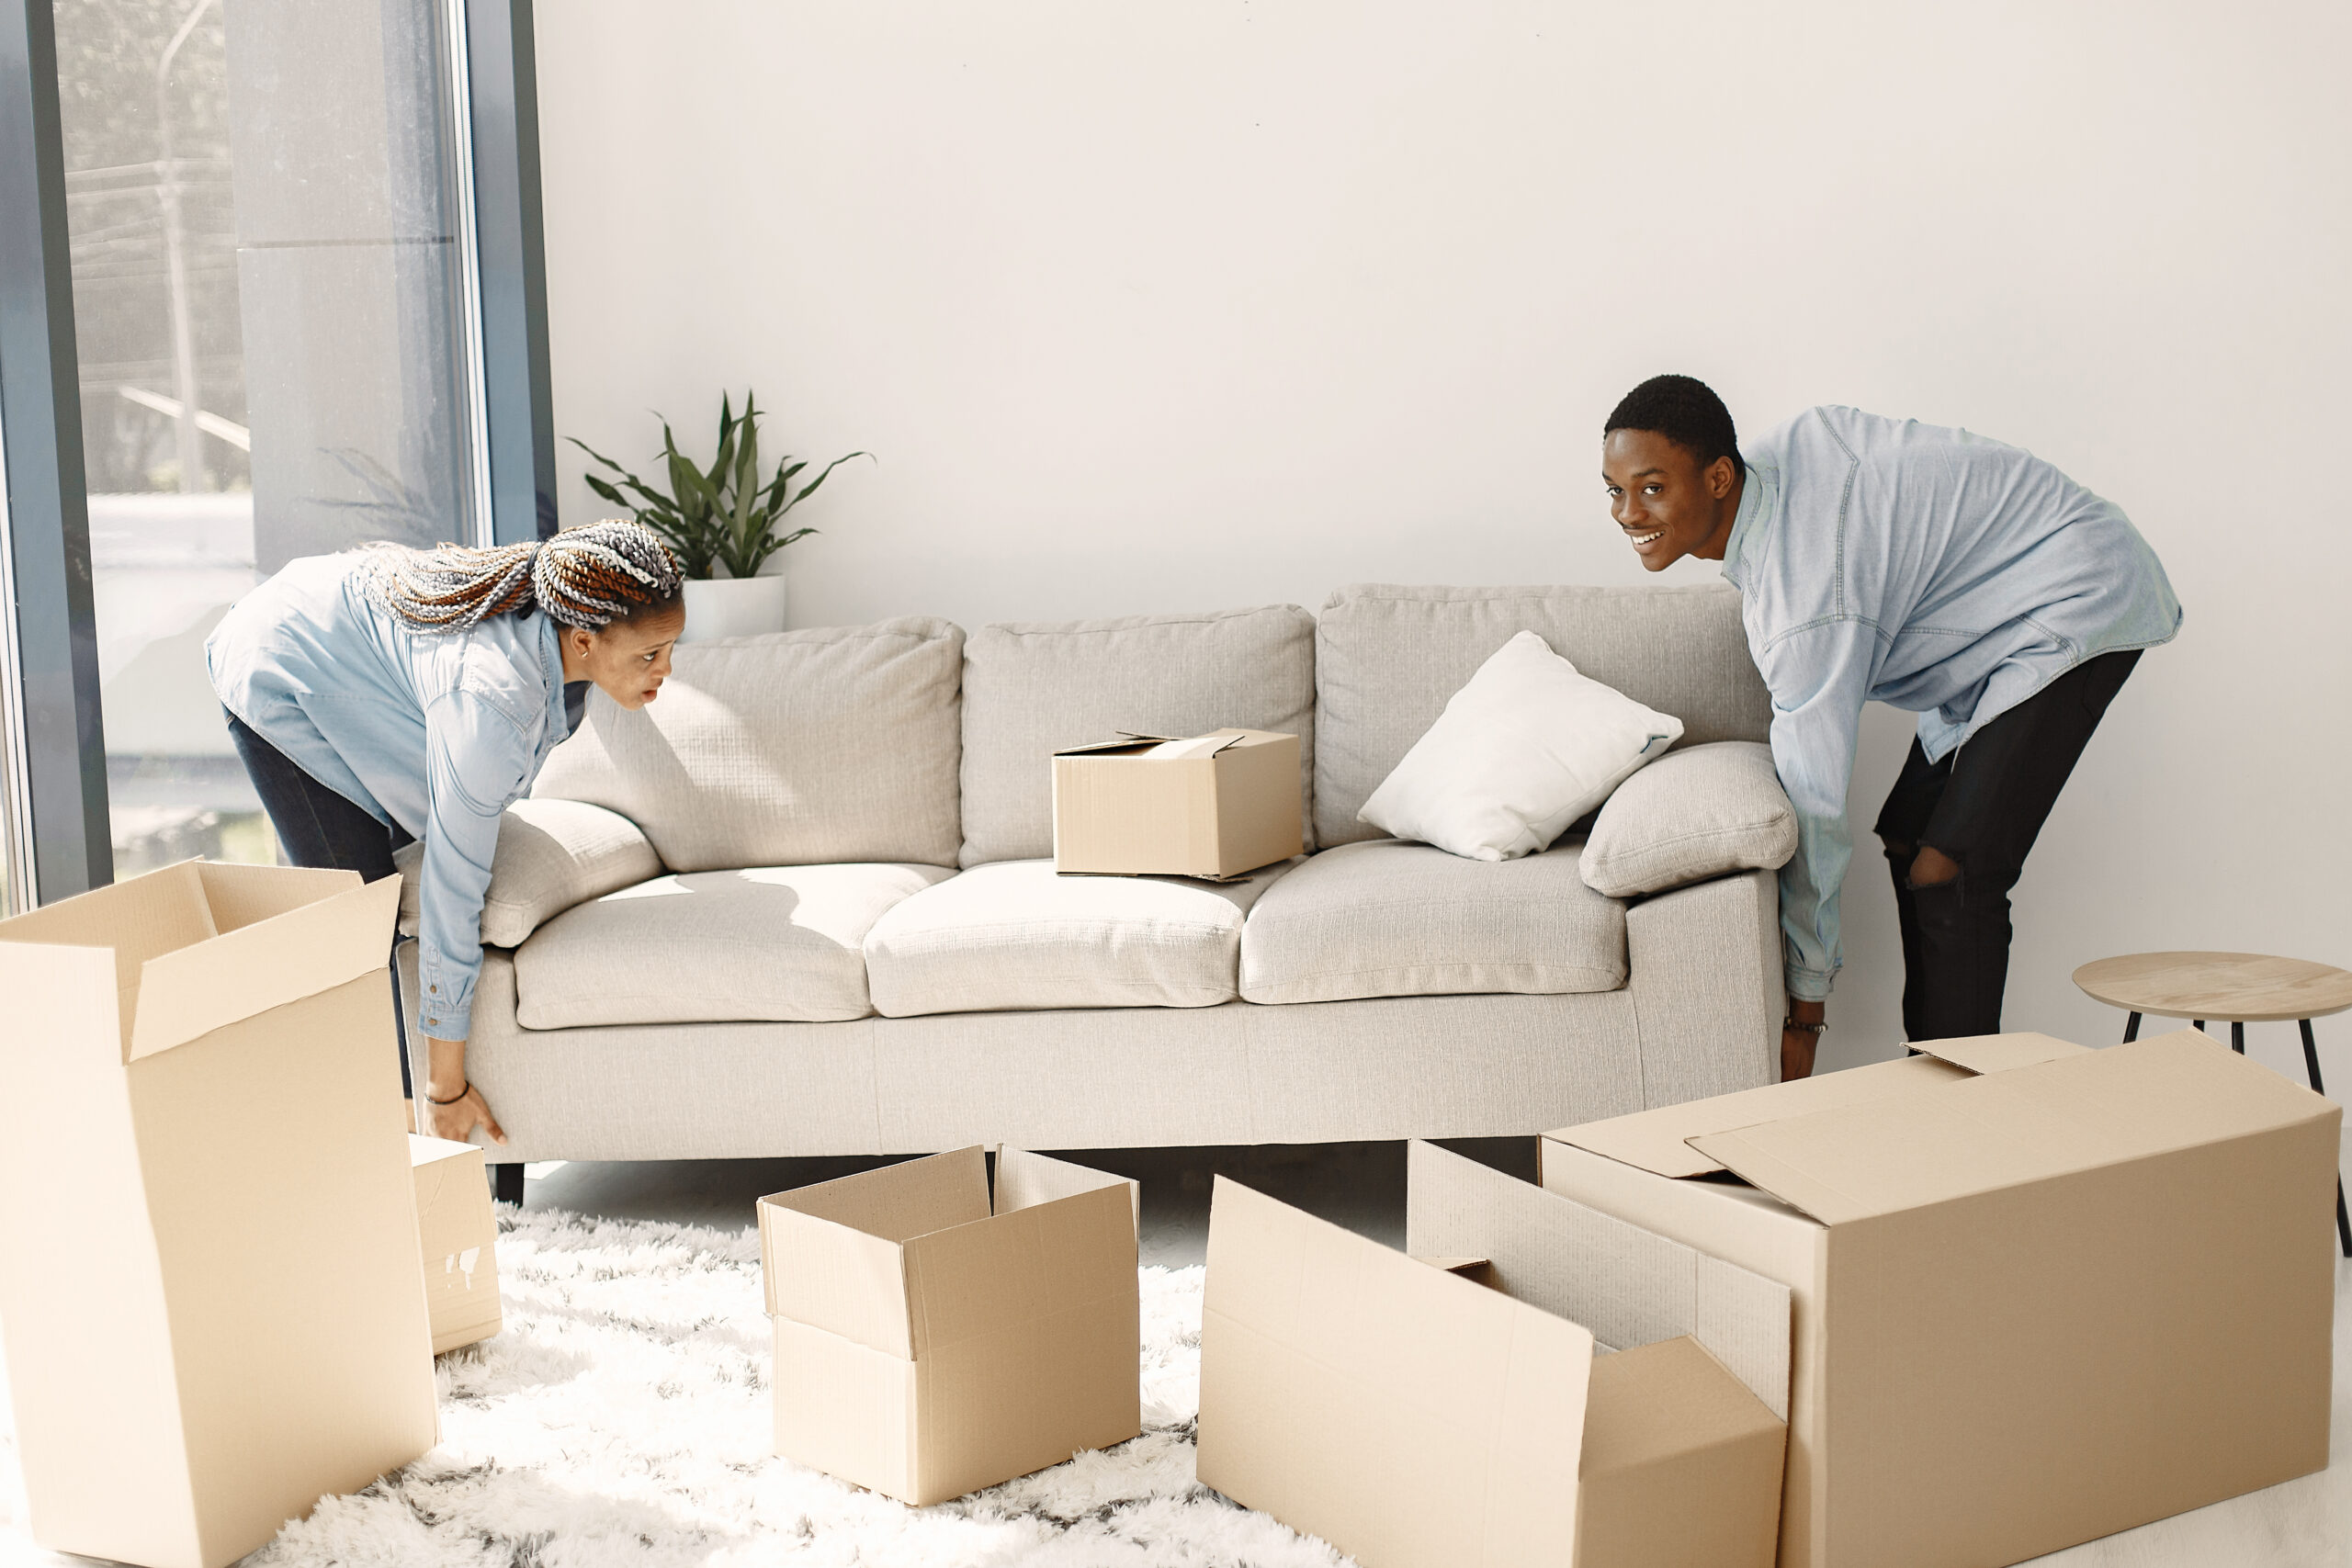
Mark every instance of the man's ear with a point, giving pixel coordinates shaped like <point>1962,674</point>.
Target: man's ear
<point>1720,475</point>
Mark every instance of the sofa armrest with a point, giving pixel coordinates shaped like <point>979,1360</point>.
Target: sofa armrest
<point>552,854</point>
<point>1705,968</point>
<point>1700,812</point>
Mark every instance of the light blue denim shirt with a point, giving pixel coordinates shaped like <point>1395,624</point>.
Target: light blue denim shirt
<point>440,734</point>
<point>1886,560</point>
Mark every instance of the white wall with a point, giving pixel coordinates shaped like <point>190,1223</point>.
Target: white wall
<point>1216,302</point>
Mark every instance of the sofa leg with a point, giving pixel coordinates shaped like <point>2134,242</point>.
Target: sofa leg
<point>506,1183</point>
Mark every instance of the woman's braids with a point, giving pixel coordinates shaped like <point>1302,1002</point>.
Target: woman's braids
<point>589,577</point>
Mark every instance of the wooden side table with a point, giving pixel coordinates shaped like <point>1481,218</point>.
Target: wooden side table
<point>2241,987</point>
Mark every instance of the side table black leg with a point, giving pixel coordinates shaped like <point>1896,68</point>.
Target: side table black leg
<point>2311,1071</point>
<point>2237,1038</point>
<point>2198,1024</point>
<point>2132,1029</point>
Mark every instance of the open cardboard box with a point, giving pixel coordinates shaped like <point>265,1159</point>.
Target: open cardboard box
<point>1216,805</point>
<point>930,1342</point>
<point>209,1288</point>
<point>2043,1292</point>
<point>458,1231</point>
<point>1420,1416</point>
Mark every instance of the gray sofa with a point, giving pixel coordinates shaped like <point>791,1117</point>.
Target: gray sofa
<point>805,903</point>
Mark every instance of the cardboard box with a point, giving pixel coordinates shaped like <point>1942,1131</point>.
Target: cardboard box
<point>2042,1293</point>
<point>1216,805</point>
<point>928,1344</point>
<point>458,1231</point>
<point>208,1290</point>
<point>1436,1418</point>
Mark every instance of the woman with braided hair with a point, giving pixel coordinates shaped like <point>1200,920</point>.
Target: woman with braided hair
<point>392,695</point>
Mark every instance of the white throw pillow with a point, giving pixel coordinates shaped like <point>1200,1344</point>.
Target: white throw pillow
<point>1524,750</point>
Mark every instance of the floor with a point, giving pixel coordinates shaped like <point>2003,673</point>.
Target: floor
<point>1360,1186</point>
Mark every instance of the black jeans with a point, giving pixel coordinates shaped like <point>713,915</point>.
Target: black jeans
<point>1982,806</point>
<point>316,826</point>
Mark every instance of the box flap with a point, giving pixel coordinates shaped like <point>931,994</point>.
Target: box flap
<point>1403,1414</point>
<point>1124,743</point>
<point>313,947</point>
<point>995,1276</point>
<point>1630,1286</point>
<point>240,895</point>
<point>1983,1133</point>
<point>1024,1180</point>
<point>1999,1052</point>
<point>1469,1267</point>
<point>1655,1140</point>
<point>831,1254</point>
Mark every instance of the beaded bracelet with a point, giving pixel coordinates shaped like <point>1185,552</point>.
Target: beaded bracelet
<point>453,1099</point>
<point>1788,1024</point>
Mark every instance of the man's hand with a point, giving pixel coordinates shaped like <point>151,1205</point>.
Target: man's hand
<point>1797,1046</point>
<point>454,1108</point>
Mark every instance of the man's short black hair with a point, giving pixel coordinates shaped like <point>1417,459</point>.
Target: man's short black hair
<point>1685,410</point>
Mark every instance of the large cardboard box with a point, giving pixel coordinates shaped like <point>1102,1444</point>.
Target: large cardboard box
<point>1216,805</point>
<point>2043,1292</point>
<point>928,1342</point>
<point>1420,1417</point>
<point>209,1291</point>
<point>458,1231</point>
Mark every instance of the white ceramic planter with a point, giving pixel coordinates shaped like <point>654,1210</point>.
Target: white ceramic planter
<point>733,606</point>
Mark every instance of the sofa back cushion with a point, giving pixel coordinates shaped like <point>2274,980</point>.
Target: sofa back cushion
<point>1031,690</point>
<point>804,747</point>
<point>1387,659</point>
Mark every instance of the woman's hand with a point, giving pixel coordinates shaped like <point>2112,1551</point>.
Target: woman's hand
<point>454,1108</point>
<point>457,1120</point>
<point>1797,1046</point>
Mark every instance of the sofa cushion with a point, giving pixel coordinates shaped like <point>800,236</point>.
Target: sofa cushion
<point>1700,812</point>
<point>807,747</point>
<point>774,943</point>
<point>1395,919</point>
<point>551,854</point>
<point>1387,659</point>
<point>1030,690</point>
<point>1011,934</point>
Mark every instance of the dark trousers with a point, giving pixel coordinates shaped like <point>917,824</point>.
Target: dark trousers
<point>316,826</point>
<point>1982,806</point>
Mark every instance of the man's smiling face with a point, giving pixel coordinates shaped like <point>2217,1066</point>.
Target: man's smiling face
<point>1668,506</point>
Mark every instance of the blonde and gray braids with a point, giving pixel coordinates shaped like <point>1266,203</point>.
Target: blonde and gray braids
<point>589,577</point>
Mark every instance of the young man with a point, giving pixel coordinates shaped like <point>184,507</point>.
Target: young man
<point>1885,560</point>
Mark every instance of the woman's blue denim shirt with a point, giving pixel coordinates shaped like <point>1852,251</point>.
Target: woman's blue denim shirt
<point>1886,560</point>
<point>437,733</point>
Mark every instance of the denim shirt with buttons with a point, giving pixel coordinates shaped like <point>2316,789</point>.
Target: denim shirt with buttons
<point>1927,568</point>
<point>440,734</point>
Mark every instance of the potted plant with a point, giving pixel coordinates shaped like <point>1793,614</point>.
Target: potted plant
<point>724,521</point>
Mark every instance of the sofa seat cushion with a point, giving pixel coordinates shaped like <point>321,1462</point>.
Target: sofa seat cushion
<point>1012,935</point>
<point>1386,918</point>
<point>783,943</point>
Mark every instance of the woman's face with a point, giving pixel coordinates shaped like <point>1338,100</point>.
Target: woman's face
<point>629,660</point>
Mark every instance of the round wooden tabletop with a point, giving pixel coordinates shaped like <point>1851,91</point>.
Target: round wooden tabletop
<point>2248,988</point>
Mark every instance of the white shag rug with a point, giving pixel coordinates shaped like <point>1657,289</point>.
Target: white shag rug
<point>621,1416</point>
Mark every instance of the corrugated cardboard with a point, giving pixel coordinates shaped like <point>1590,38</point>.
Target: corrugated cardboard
<point>458,1231</point>
<point>929,1343</point>
<point>1216,806</point>
<point>2042,1293</point>
<point>209,1291</point>
<point>1418,1416</point>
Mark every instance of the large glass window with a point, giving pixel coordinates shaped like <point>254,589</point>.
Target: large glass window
<point>266,205</point>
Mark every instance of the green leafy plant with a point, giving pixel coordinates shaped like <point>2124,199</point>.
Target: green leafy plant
<point>726,514</point>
